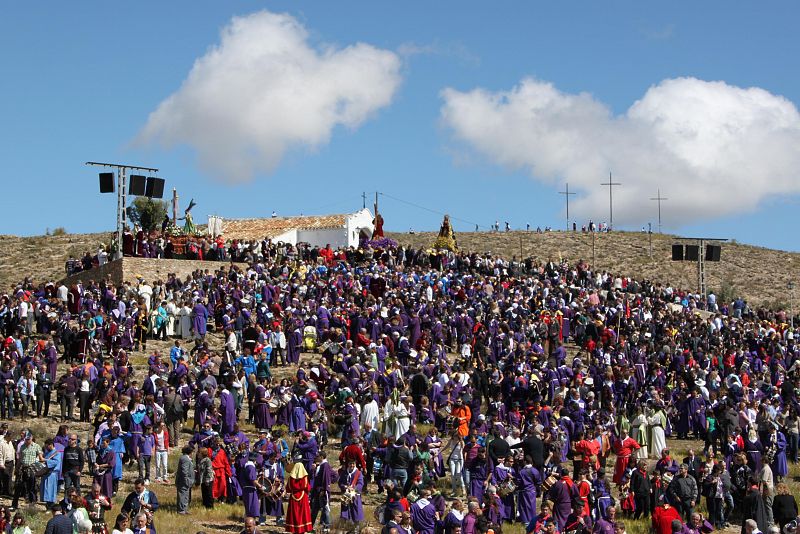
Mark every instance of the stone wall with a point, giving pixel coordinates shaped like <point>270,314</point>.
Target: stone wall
<point>127,269</point>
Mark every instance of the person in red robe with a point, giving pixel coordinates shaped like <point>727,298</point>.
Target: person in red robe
<point>298,516</point>
<point>222,472</point>
<point>663,516</point>
<point>623,448</point>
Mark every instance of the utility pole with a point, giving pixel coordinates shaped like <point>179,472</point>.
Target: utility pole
<point>650,237</point>
<point>611,185</point>
<point>122,195</point>
<point>376,206</point>
<point>566,194</point>
<point>364,200</point>
<point>659,198</point>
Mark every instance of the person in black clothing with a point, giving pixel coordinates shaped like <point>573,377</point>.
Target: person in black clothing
<point>72,465</point>
<point>640,486</point>
<point>399,459</point>
<point>66,390</point>
<point>784,505</point>
<point>44,388</point>
<point>533,446</point>
<point>754,507</point>
<point>498,447</point>
<point>419,387</point>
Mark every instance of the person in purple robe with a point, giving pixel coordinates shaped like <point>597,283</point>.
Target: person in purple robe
<point>51,360</point>
<point>500,474</point>
<point>423,514</point>
<point>203,403</point>
<point>754,449</point>
<point>308,449</point>
<point>697,414</point>
<point>297,415</point>
<point>478,474</point>
<point>262,418</point>
<point>227,408</point>
<point>294,344</point>
<point>353,480</point>
<point>248,480</point>
<point>351,415</point>
<point>777,443</point>
<point>561,495</point>
<point>454,518</point>
<point>104,470</point>
<point>273,479</point>
<point>199,320</point>
<point>322,476</point>
<point>529,479</point>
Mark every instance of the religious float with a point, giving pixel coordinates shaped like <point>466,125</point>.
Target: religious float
<point>446,240</point>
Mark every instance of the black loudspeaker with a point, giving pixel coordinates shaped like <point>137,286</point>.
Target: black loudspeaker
<point>692,252</point>
<point>713,252</point>
<point>106,182</point>
<point>136,185</point>
<point>677,252</point>
<point>155,188</point>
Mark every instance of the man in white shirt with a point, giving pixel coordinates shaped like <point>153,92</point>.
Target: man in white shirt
<point>145,292</point>
<point>8,456</point>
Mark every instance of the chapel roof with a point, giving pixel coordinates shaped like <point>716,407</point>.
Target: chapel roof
<point>275,226</point>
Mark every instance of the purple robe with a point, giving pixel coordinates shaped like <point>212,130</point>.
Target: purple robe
<point>204,402</point>
<point>227,408</point>
<point>354,511</point>
<point>529,478</point>
<point>199,319</point>
<point>499,474</point>
<point>561,495</point>
<point>263,418</point>
<point>247,478</point>
<point>106,480</point>
<point>423,517</point>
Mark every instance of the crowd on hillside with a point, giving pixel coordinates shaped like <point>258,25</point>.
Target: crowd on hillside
<point>442,381</point>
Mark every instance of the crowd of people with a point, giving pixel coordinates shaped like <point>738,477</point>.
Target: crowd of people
<point>440,380</point>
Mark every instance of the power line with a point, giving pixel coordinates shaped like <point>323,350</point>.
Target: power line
<point>429,209</point>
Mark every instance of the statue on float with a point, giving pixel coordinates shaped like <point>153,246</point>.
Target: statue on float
<point>446,240</point>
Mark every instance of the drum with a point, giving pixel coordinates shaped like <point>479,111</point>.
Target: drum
<point>548,483</point>
<point>506,487</point>
<point>444,412</point>
<point>349,496</point>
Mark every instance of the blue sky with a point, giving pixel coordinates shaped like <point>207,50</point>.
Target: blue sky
<point>81,79</point>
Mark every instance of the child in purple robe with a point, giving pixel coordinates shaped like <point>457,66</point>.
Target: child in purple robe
<point>352,480</point>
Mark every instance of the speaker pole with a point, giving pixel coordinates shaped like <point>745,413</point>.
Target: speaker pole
<point>701,259</point>
<point>122,187</point>
<point>122,212</point>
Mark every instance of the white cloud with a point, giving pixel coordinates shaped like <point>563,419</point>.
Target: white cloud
<point>712,148</point>
<point>264,89</point>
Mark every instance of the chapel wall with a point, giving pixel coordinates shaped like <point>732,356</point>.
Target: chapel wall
<point>151,269</point>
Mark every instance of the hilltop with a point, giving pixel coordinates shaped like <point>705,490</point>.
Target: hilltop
<point>758,274</point>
